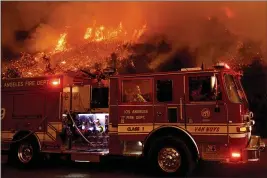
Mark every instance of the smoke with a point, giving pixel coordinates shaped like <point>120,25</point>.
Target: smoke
<point>213,28</point>
<point>36,26</point>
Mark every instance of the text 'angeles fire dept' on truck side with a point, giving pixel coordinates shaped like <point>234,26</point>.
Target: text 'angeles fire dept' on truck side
<point>171,119</point>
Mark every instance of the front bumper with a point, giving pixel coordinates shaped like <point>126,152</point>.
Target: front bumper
<point>249,154</point>
<point>252,152</point>
<point>255,145</point>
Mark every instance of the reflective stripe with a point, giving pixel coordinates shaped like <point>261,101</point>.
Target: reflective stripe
<point>51,132</point>
<point>201,124</point>
<point>56,125</point>
<point>112,129</point>
<point>52,129</point>
<point>206,129</point>
<point>7,135</point>
<point>135,128</point>
<point>192,128</point>
<point>42,136</point>
<point>243,135</point>
<point>133,133</point>
<point>210,134</point>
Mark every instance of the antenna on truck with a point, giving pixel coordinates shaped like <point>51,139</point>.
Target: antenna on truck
<point>202,66</point>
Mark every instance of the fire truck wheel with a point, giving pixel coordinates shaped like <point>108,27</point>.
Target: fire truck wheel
<point>171,157</point>
<point>25,153</point>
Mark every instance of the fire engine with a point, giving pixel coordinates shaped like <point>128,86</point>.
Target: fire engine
<point>172,119</point>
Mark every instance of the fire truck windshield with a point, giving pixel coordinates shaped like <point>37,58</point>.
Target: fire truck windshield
<point>234,89</point>
<point>241,92</point>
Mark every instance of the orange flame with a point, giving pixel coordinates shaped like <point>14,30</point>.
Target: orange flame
<point>88,33</point>
<point>61,44</point>
<point>102,33</point>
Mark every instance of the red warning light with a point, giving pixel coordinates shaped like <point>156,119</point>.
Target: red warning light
<point>222,65</point>
<point>236,155</point>
<point>55,82</point>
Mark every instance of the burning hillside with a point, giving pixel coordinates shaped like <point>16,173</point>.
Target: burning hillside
<point>98,43</point>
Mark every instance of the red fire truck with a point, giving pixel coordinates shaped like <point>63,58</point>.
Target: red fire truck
<point>171,119</point>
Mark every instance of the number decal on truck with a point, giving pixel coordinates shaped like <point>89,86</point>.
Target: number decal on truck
<point>3,113</point>
<point>205,113</point>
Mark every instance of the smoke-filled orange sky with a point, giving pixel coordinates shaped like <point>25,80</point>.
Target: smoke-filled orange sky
<point>176,19</point>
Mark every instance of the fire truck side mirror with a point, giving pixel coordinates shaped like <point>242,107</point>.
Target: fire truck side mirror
<point>214,87</point>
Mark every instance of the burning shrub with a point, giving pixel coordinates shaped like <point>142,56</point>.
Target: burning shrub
<point>12,73</point>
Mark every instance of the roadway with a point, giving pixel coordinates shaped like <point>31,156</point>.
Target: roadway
<point>128,168</point>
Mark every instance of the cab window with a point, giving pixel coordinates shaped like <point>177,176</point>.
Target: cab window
<point>164,90</point>
<point>136,91</point>
<point>100,97</point>
<point>203,88</point>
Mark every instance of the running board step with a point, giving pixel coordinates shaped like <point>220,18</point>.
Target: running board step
<point>87,156</point>
<point>77,157</point>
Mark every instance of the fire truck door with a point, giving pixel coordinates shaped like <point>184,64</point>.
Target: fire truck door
<point>205,114</point>
<point>168,92</point>
<point>135,112</point>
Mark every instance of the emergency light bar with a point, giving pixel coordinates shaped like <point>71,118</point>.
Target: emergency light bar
<point>221,65</point>
<point>191,69</point>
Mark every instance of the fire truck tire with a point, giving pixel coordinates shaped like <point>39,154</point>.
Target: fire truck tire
<point>25,153</point>
<point>171,157</point>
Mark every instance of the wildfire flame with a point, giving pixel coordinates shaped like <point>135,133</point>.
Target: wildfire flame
<point>88,33</point>
<point>99,43</point>
<point>61,44</point>
<point>101,33</point>
<point>139,33</point>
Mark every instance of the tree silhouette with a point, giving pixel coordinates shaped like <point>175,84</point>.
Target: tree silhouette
<point>254,81</point>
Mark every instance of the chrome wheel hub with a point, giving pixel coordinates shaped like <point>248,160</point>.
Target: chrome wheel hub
<point>25,153</point>
<point>169,160</point>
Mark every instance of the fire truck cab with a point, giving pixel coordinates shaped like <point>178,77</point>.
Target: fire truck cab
<point>172,119</point>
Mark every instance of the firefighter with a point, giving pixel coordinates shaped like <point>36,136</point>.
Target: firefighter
<point>137,95</point>
<point>91,126</point>
<point>99,127</point>
<point>197,94</point>
<point>106,123</point>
